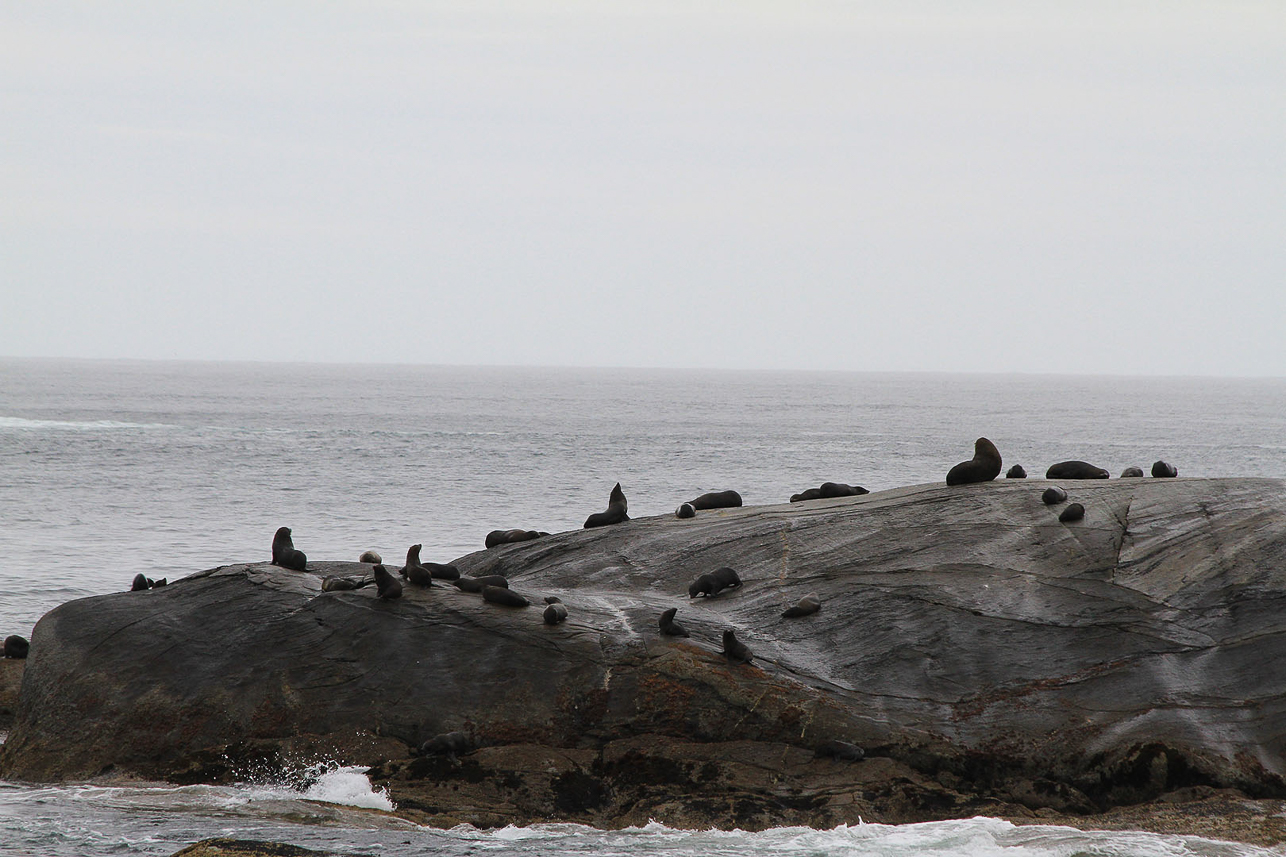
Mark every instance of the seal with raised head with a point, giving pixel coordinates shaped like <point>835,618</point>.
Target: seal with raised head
<point>1132,473</point>
<point>504,596</point>
<point>615,512</point>
<point>735,650</point>
<point>807,606</point>
<point>370,556</point>
<point>1075,470</point>
<point>16,647</point>
<point>1073,512</point>
<point>507,537</point>
<point>1161,470</point>
<point>1052,495</point>
<point>387,586</point>
<point>414,570</point>
<point>1016,472</point>
<point>671,627</point>
<point>983,467</point>
<point>554,613</point>
<point>475,584</point>
<point>685,510</point>
<point>284,553</point>
<point>716,500</point>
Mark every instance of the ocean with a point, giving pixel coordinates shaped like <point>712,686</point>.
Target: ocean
<point>111,468</point>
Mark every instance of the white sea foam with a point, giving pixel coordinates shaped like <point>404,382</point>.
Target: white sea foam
<point>349,786</point>
<point>69,425</point>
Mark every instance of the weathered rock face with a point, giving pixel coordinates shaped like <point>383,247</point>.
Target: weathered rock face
<point>975,646</point>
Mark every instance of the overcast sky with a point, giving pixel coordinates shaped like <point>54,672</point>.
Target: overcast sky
<point>986,187</point>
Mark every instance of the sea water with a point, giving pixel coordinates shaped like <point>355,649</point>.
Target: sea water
<point>108,469</point>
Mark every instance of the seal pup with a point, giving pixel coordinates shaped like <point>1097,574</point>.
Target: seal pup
<point>414,571</point>
<point>554,613</point>
<point>16,647</point>
<point>475,584</point>
<point>370,556</point>
<point>284,553</point>
<point>504,596</point>
<point>1052,495</point>
<point>1075,470</point>
<point>1016,472</point>
<point>685,510</point>
<point>735,650</point>
<point>841,750</point>
<point>671,627</point>
<point>1161,470</point>
<point>388,586</point>
<point>140,583</point>
<point>716,500</point>
<point>506,537</point>
<point>1073,512</point>
<point>983,467</point>
<point>615,512</point>
<point>807,606</point>
<point>449,744</point>
<point>1131,472</point>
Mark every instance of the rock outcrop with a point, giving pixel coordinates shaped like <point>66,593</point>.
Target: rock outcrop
<point>983,654</point>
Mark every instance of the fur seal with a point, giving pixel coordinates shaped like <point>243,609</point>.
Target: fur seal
<point>841,750</point>
<point>1075,470</point>
<point>735,650</point>
<point>503,595</point>
<point>370,556</point>
<point>1161,470</point>
<point>716,500</point>
<point>506,537</point>
<point>615,512</point>
<point>16,647</point>
<point>161,582</point>
<point>554,613</point>
<point>828,490</point>
<point>1073,512</point>
<point>414,571</point>
<point>807,606</point>
<point>475,584</point>
<point>442,570</point>
<point>671,627</point>
<point>1052,495</point>
<point>388,586</point>
<point>140,583</point>
<point>449,744</point>
<point>1016,472</point>
<point>983,467</point>
<point>1131,472</point>
<point>713,583</point>
<point>685,510</point>
<point>342,584</point>
<point>806,494</point>
<point>284,553</point>
<point>553,599</point>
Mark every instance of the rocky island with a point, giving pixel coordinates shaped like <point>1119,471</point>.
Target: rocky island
<point>985,657</point>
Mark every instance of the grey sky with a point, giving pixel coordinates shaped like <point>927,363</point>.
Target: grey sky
<point>1060,187</point>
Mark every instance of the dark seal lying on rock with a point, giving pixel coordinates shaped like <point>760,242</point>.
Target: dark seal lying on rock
<point>449,744</point>
<point>476,584</point>
<point>713,583</point>
<point>1073,512</point>
<point>983,467</point>
<point>1016,472</point>
<point>1131,472</point>
<point>716,500</point>
<point>1053,495</point>
<point>504,596</point>
<point>1075,470</point>
<point>508,537</point>
<point>284,553</point>
<point>1161,470</point>
<point>685,510</point>
<point>827,490</point>
<point>615,513</point>
<point>16,646</point>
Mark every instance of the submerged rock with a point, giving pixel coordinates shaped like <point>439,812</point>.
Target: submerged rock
<point>980,653</point>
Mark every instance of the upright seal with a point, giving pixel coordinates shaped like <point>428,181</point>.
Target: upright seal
<point>735,650</point>
<point>983,467</point>
<point>387,586</point>
<point>284,553</point>
<point>615,513</point>
<point>671,627</point>
<point>414,570</point>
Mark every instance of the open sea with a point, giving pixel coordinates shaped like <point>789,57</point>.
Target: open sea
<point>110,468</point>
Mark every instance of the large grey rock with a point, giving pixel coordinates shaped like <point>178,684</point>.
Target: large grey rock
<point>965,633</point>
